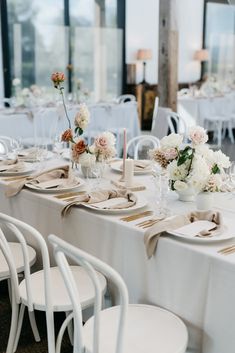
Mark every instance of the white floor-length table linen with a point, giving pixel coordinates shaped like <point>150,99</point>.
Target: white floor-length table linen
<point>103,117</point>
<point>191,280</point>
<point>194,110</point>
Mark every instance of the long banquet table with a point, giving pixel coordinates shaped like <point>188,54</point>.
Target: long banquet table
<point>190,279</point>
<point>194,110</point>
<point>20,123</point>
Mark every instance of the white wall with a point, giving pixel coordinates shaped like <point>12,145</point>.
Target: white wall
<point>142,32</point>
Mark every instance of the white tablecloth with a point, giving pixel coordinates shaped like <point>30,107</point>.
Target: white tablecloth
<point>195,110</point>
<point>191,280</point>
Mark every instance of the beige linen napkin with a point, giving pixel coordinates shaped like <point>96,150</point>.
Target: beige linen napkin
<point>121,185</point>
<point>140,165</point>
<point>172,223</point>
<point>103,195</point>
<point>12,165</point>
<point>55,173</point>
<point>30,153</point>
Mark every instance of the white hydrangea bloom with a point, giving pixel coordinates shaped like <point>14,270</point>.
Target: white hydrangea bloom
<point>171,141</point>
<point>177,172</point>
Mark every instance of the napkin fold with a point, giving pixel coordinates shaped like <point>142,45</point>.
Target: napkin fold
<point>140,165</point>
<point>121,185</point>
<point>15,187</point>
<point>11,165</point>
<point>153,234</point>
<point>103,195</point>
<point>31,154</point>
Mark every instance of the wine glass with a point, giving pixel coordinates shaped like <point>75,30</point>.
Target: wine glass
<point>161,183</point>
<point>16,146</point>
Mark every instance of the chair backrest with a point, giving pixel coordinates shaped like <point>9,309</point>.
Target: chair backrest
<point>176,124</point>
<point>64,250</point>
<point>136,142</point>
<point>45,124</point>
<point>126,98</point>
<point>159,123</point>
<point>19,228</point>
<point>3,146</point>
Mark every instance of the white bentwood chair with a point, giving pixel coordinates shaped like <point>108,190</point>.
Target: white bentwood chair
<point>159,126</point>
<point>136,142</point>
<point>42,290</point>
<point>176,124</point>
<point>124,98</point>
<point>125,328</point>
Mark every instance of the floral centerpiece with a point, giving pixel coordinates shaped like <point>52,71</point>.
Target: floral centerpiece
<point>191,168</point>
<point>103,147</point>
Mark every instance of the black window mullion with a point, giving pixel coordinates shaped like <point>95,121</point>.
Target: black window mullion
<point>121,23</point>
<point>67,24</point>
<point>5,49</point>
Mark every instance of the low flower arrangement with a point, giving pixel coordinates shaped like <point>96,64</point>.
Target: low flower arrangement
<point>103,147</point>
<point>192,166</point>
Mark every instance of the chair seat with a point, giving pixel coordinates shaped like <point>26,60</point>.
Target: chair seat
<point>215,118</point>
<point>149,329</point>
<point>59,294</point>
<point>16,250</point>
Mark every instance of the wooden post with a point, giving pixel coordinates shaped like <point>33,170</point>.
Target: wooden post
<point>168,55</point>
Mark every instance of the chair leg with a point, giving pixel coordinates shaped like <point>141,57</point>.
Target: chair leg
<point>9,289</point>
<point>70,328</point>
<point>61,332</point>
<point>20,321</point>
<point>219,137</point>
<point>34,326</point>
<point>13,329</point>
<point>230,131</point>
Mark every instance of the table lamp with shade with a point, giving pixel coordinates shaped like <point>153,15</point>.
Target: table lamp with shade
<point>202,55</point>
<point>144,55</point>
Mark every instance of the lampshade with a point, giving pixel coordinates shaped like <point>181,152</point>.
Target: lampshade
<point>201,55</point>
<point>144,54</point>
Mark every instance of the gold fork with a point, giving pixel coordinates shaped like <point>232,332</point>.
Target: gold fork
<point>227,250</point>
<point>136,216</point>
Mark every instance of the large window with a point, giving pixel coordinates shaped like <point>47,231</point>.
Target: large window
<point>79,37</point>
<point>220,40</point>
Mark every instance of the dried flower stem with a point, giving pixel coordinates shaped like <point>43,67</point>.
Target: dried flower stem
<point>65,109</point>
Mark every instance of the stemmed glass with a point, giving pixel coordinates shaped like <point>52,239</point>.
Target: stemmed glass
<point>231,174</point>
<point>161,183</point>
<point>16,146</point>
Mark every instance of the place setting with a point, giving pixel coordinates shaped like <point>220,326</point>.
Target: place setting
<point>55,180</point>
<point>14,167</point>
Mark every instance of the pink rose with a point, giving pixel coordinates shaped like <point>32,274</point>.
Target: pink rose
<point>101,142</point>
<point>57,78</point>
<point>198,135</point>
<point>170,154</point>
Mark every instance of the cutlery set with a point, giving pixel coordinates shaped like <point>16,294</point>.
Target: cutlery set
<point>144,224</point>
<point>227,250</point>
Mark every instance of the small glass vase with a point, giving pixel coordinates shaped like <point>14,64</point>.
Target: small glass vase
<point>94,171</point>
<point>187,195</point>
<point>204,201</point>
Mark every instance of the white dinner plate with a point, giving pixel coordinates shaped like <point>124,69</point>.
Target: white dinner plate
<point>141,203</point>
<point>117,167</point>
<point>227,232</point>
<point>77,184</point>
<point>28,170</point>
